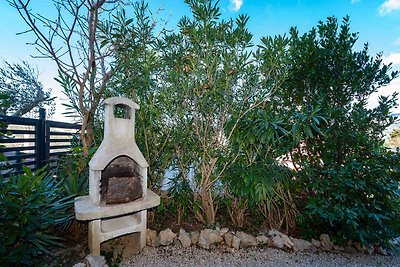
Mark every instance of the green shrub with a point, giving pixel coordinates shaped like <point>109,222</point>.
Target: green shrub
<point>73,170</point>
<point>31,205</point>
<point>257,178</point>
<point>181,196</point>
<point>358,201</point>
<point>348,182</point>
<point>266,185</point>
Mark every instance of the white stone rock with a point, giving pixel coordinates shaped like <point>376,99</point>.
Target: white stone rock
<point>80,264</point>
<point>279,238</point>
<point>370,250</point>
<point>246,240</point>
<point>326,243</point>
<point>381,251</point>
<point>95,261</point>
<point>262,239</point>
<point>316,243</point>
<point>359,247</point>
<point>228,237</point>
<point>194,236</point>
<point>277,242</point>
<point>235,242</point>
<point>184,238</point>
<point>215,237</point>
<point>350,249</point>
<point>338,248</point>
<point>177,242</point>
<point>152,239</point>
<point>208,237</point>
<point>204,239</point>
<point>167,237</point>
<point>301,245</point>
<point>223,231</point>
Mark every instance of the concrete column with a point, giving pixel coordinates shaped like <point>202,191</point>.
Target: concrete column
<point>94,237</point>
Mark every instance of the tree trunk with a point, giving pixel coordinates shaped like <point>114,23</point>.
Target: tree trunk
<point>207,200</point>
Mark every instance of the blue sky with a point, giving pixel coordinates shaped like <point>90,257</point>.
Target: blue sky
<point>376,21</point>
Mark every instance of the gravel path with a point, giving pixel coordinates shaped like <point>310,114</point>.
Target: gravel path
<point>177,256</point>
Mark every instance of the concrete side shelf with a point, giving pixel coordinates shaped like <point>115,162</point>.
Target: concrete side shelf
<point>86,210</point>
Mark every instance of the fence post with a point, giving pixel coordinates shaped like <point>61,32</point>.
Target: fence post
<point>41,139</point>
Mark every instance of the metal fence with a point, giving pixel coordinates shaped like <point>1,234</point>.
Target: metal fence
<point>34,142</point>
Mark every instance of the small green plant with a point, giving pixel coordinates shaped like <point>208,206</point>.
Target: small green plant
<point>110,259</point>
<point>266,185</point>
<point>73,170</point>
<point>181,196</point>
<point>32,204</point>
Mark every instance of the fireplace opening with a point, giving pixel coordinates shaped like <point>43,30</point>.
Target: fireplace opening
<point>120,182</point>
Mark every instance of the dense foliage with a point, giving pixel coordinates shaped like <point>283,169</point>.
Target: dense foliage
<point>217,112</point>
<point>181,78</point>
<point>348,178</point>
<point>22,90</point>
<point>31,204</point>
<point>223,118</point>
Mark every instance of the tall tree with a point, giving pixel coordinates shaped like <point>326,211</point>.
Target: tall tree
<point>211,80</point>
<point>350,181</point>
<point>23,90</point>
<point>134,40</point>
<point>191,84</point>
<point>71,40</point>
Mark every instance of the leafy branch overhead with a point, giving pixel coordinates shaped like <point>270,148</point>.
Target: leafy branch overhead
<point>71,40</point>
<point>22,90</point>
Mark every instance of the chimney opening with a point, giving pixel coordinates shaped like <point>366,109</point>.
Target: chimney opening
<point>122,111</point>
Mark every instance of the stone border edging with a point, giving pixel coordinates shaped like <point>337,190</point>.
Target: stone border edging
<point>223,236</point>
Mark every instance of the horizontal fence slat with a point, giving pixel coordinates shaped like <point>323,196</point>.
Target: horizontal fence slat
<point>16,140</point>
<point>19,164</point>
<point>45,143</point>
<point>8,149</point>
<point>21,156</point>
<point>59,140</point>
<point>64,125</point>
<point>18,120</point>
<point>63,133</point>
<point>60,147</point>
<point>15,172</point>
<point>16,131</point>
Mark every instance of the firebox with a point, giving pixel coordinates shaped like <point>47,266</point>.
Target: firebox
<point>118,195</point>
<point>120,181</point>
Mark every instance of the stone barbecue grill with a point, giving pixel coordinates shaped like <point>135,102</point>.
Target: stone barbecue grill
<point>118,195</point>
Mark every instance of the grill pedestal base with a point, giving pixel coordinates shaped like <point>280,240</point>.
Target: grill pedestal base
<point>111,221</point>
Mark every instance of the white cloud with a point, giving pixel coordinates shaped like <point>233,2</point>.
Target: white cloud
<point>235,5</point>
<point>355,1</point>
<point>393,86</point>
<point>387,90</point>
<point>393,58</point>
<point>389,6</point>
